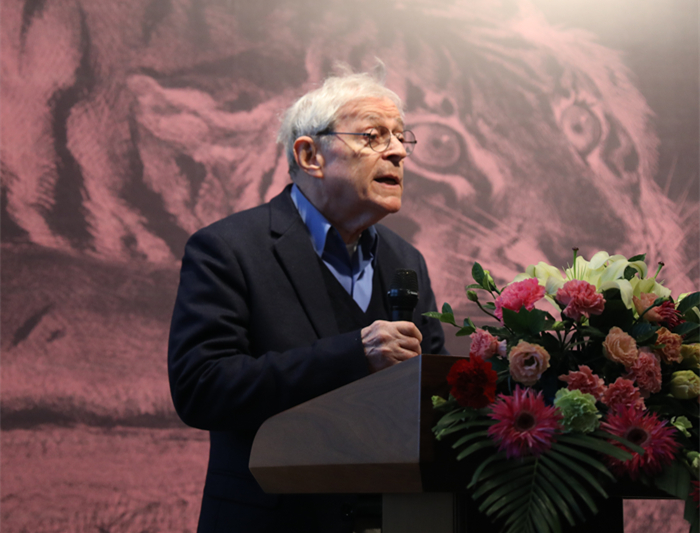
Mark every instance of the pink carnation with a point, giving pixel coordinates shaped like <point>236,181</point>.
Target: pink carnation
<point>646,372</point>
<point>580,299</point>
<point>519,294</point>
<point>484,344</point>
<point>585,381</point>
<point>622,393</point>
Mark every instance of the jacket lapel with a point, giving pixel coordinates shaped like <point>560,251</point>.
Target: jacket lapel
<point>297,257</point>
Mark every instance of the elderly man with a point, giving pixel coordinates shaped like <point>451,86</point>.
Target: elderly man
<point>287,301</point>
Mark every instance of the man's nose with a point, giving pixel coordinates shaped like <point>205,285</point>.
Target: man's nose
<point>396,149</point>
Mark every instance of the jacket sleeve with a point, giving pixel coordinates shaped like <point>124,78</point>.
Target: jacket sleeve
<point>215,381</point>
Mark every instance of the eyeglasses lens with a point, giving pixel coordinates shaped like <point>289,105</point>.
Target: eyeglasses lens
<point>380,139</point>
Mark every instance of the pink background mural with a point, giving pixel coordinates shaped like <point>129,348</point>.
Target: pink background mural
<point>128,125</point>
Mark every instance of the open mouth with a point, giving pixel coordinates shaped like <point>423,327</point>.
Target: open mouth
<point>388,180</point>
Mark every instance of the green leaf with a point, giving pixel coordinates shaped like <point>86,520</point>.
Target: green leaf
<point>640,257</point>
<point>447,318</point>
<point>691,316</point>
<point>572,482</point>
<point>614,314</point>
<point>472,423</point>
<point>489,305</point>
<point>691,515</point>
<point>567,462</point>
<point>478,274</point>
<point>685,328</point>
<point>474,448</point>
<point>512,477</point>
<point>525,322</point>
<point>643,331</point>
<point>467,328</point>
<point>515,512</point>
<point>601,446</point>
<point>559,447</point>
<point>549,509</point>
<point>674,479</point>
<point>452,417</point>
<point>468,437</point>
<point>502,464</point>
<point>630,272</point>
<point>501,492</point>
<point>690,301</point>
<point>556,498</point>
<point>516,517</point>
<point>459,427</point>
<point>540,513</point>
<point>557,489</point>
<point>472,286</point>
<point>515,502</point>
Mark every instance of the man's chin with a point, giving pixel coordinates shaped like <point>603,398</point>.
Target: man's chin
<point>389,205</point>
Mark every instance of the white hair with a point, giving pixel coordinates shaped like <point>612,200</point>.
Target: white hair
<point>317,110</point>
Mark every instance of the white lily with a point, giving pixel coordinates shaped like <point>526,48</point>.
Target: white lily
<point>603,271</point>
<point>548,276</point>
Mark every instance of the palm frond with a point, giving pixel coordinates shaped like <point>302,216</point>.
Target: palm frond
<point>534,493</point>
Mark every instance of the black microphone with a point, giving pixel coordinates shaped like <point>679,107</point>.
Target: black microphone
<point>403,294</point>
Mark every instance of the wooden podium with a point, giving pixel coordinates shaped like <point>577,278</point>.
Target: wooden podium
<point>374,436</point>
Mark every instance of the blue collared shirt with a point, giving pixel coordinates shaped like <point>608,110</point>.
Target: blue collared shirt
<point>354,273</point>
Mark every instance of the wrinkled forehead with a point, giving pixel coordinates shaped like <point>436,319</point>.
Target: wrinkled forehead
<point>381,111</point>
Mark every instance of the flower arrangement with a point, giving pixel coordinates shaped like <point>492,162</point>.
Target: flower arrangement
<point>552,409</point>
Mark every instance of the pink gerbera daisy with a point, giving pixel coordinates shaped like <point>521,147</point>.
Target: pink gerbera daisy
<point>646,430</point>
<point>525,425</point>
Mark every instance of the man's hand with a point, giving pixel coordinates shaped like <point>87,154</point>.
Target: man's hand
<point>388,343</point>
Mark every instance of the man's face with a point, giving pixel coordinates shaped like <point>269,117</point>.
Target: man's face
<point>362,186</point>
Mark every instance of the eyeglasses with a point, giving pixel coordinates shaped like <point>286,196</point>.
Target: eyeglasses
<point>379,138</point>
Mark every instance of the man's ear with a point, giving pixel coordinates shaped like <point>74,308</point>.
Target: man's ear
<point>308,156</point>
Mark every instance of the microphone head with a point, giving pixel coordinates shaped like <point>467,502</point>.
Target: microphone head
<point>405,279</point>
<point>403,294</point>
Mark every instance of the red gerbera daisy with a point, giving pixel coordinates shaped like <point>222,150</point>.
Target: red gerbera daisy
<point>646,430</point>
<point>525,425</point>
<point>669,314</point>
<point>473,382</point>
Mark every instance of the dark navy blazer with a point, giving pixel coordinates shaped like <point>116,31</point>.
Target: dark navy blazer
<point>254,333</point>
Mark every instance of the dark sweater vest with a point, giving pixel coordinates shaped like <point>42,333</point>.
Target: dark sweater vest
<point>348,314</point>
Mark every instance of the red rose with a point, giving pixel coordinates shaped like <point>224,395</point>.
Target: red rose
<point>473,382</point>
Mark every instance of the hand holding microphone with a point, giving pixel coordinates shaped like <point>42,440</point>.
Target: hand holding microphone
<point>387,343</point>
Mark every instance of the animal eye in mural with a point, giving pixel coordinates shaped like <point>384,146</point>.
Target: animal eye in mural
<point>581,127</point>
<point>439,147</point>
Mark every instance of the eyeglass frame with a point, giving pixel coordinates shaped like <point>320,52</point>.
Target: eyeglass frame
<point>408,146</point>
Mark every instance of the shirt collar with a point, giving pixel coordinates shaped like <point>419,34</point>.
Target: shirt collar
<point>319,226</point>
